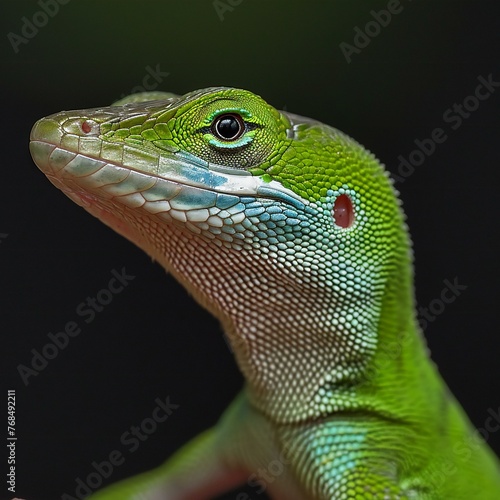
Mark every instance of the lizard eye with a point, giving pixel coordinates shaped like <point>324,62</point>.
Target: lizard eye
<point>228,127</point>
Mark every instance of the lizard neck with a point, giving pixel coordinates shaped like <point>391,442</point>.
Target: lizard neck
<point>302,361</point>
<point>306,350</point>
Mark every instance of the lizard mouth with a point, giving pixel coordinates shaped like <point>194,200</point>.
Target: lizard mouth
<point>174,188</point>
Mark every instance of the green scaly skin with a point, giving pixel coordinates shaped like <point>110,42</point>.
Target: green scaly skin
<point>341,400</point>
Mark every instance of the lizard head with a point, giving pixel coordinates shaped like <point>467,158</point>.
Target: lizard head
<point>284,228</point>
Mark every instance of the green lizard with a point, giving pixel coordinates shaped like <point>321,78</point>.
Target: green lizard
<point>292,235</point>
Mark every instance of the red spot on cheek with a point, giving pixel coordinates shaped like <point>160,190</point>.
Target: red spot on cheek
<point>343,211</point>
<point>86,128</point>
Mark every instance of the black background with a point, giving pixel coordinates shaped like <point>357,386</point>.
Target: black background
<point>153,340</point>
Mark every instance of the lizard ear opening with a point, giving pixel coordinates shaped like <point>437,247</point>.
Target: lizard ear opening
<point>343,211</point>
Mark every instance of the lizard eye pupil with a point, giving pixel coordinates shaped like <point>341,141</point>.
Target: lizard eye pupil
<point>228,127</point>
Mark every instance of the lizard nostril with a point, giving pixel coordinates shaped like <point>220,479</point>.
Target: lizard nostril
<point>86,127</point>
<point>343,211</point>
